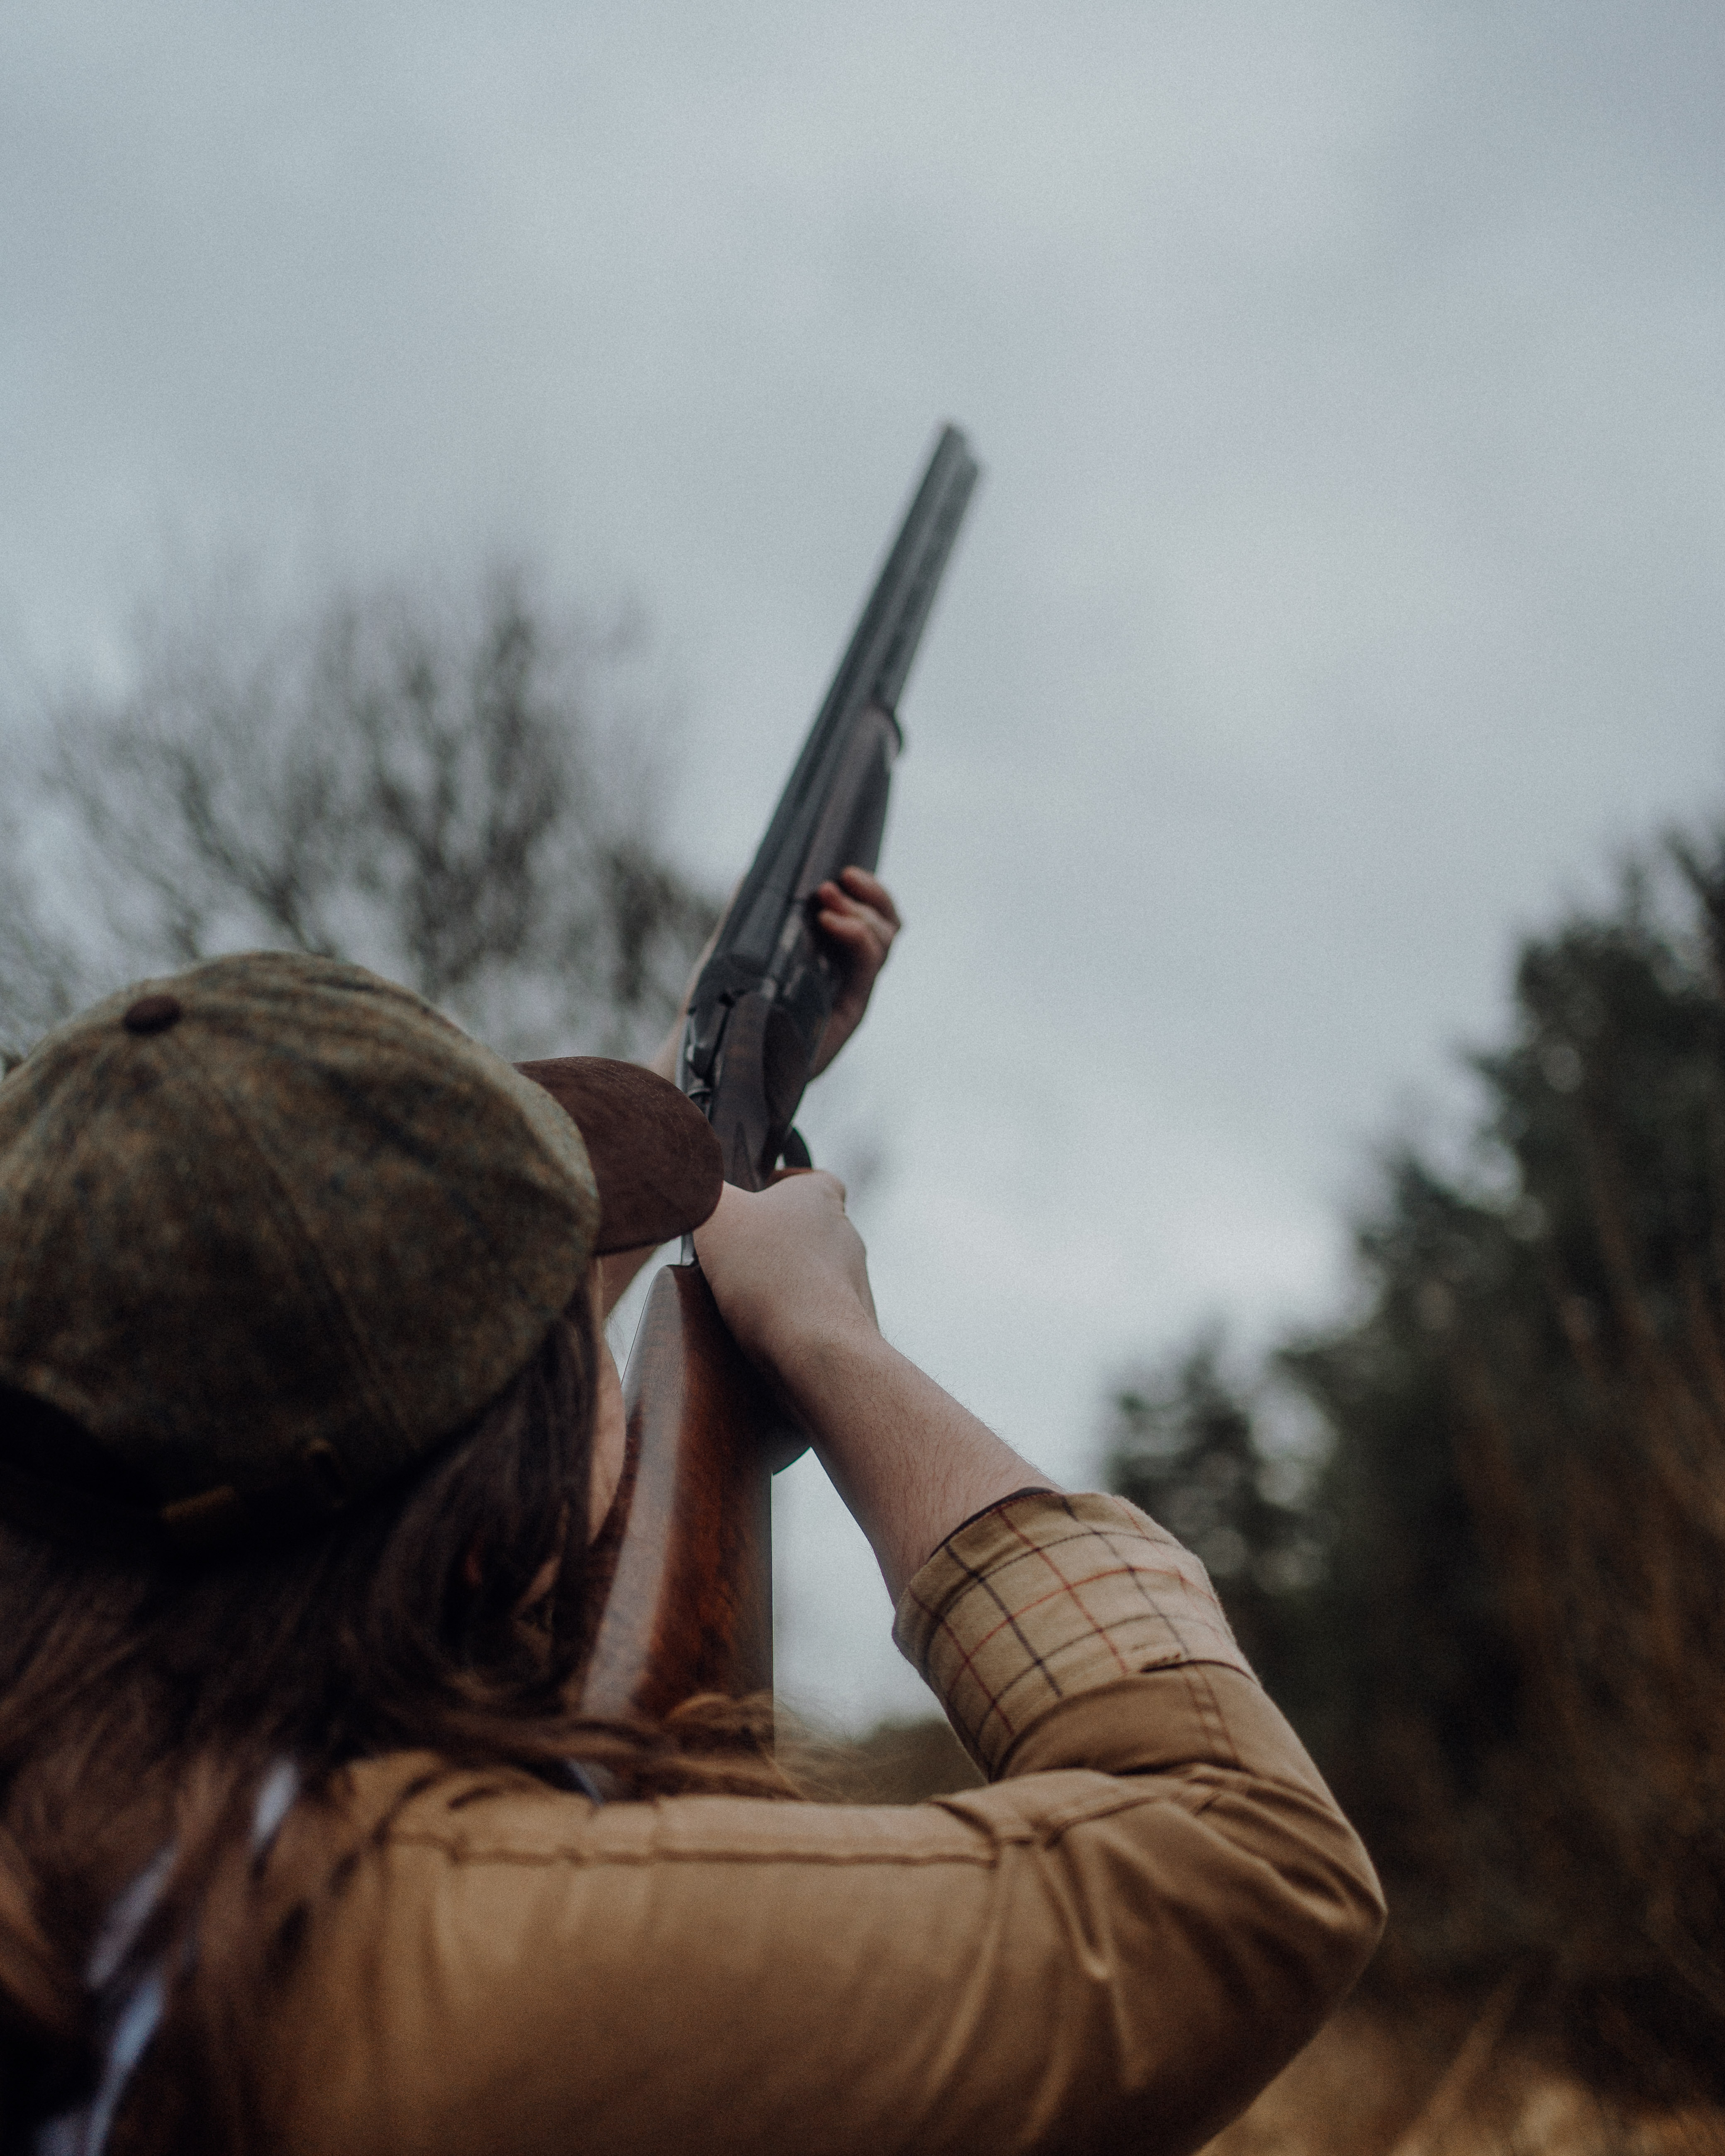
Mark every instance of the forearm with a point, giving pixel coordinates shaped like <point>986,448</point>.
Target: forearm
<point>791,1279</point>
<point>909,1461</point>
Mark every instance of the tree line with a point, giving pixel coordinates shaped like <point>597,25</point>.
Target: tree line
<point>1496,1609</point>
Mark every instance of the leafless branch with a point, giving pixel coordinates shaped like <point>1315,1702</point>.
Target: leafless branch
<point>431,788</point>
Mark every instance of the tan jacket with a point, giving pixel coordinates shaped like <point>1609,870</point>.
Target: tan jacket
<point>1111,1947</point>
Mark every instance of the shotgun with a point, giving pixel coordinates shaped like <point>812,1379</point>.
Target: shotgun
<point>683,1564</point>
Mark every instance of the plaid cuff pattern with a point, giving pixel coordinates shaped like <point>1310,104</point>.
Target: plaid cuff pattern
<point>1047,1596</point>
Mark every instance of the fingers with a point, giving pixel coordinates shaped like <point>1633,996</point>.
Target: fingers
<point>861,947</point>
<point>858,913</point>
<point>855,895</point>
<point>784,1175</point>
<point>872,892</point>
<point>821,1179</point>
<point>786,1265</point>
<point>855,913</point>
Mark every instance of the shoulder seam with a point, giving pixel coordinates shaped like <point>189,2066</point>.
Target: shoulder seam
<point>992,1844</point>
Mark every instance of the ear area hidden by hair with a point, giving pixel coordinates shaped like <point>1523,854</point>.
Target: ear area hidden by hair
<point>212,1519</point>
<point>318,1486</point>
<point>655,1157</point>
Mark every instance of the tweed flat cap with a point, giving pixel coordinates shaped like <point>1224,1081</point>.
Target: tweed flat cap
<point>273,1229</point>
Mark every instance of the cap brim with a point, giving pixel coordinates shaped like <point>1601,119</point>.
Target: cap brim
<point>656,1157</point>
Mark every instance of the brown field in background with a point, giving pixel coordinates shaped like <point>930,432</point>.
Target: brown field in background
<point>1379,2083</point>
<point>1439,2077</point>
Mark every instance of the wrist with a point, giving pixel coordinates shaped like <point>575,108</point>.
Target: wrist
<point>821,1357</point>
<point>909,1461</point>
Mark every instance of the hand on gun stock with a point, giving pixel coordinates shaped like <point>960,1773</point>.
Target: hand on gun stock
<point>789,1273</point>
<point>790,1276</point>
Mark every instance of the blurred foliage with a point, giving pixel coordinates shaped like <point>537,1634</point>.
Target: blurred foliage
<point>455,790</point>
<point>1504,1633</point>
<point>1184,1444</point>
<point>903,1760</point>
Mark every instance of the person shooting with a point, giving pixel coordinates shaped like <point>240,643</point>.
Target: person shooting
<point>354,1797</point>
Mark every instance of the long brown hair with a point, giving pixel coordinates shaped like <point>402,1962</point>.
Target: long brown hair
<point>143,1699</point>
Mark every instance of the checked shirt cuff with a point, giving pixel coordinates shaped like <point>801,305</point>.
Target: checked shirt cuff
<point>1047,1596</point>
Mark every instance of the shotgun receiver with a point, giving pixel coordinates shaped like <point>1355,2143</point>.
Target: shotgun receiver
<point>685,1560</point>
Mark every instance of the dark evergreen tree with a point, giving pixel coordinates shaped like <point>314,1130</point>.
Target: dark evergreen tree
<point>1512,1664</point>
<point>1182,1443</point>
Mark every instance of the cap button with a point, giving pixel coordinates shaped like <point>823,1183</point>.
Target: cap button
<point>152,1014</point>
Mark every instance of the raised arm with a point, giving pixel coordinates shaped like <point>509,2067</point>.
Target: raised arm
<point>790,1277</point>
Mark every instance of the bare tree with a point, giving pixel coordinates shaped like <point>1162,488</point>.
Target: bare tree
<point>459,796</point>
<point>39,971</point>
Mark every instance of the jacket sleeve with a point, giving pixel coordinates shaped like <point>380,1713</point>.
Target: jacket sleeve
<point>1112,1946</point>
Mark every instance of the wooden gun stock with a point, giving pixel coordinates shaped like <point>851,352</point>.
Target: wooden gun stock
<point>685,1560</point>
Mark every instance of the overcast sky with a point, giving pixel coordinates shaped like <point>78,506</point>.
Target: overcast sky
<point>1343,594</point>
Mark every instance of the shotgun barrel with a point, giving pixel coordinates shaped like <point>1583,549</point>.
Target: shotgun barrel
<point>764,997</point>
